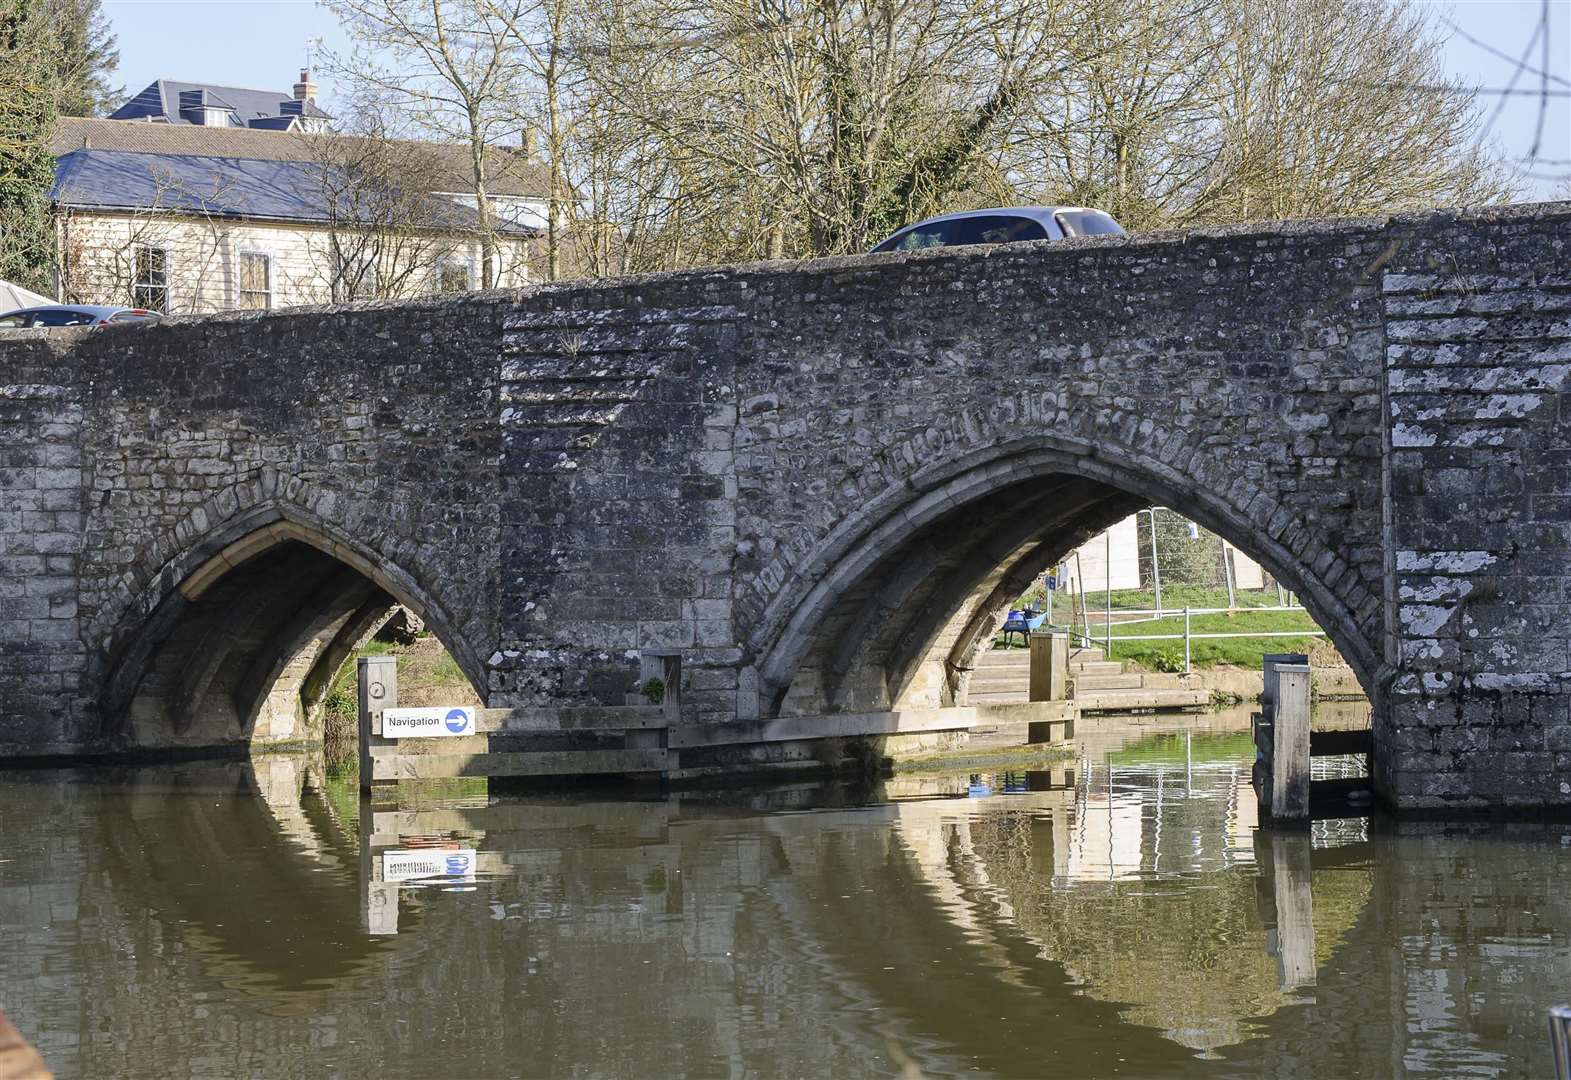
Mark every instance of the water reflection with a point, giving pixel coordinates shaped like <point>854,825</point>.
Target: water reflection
<point>1117,914</point>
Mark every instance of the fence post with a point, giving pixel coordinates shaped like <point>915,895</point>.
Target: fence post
<point>376,679</point>
<point>1560,1040</point>
<point>1156,570</point>
<point>1187,668</point>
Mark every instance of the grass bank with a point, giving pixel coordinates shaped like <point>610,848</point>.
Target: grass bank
<point>427,675</point>
<point>1238,651</point>
<point>1169,655</point>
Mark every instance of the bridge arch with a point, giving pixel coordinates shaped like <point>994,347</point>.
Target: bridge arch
<point>246,609</point>
<point>923,572</point>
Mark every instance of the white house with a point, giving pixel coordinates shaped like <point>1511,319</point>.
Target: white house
<point>196,198</point>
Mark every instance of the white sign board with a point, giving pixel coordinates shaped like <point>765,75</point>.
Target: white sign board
<point>427,722</point>
<point>446,863</point>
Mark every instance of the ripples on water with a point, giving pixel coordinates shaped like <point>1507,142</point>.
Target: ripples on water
<point>1116,915</point>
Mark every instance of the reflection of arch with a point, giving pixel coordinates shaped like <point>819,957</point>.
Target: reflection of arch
<point>245,604</point>
<point>881,559</point>
<point>263,893</point>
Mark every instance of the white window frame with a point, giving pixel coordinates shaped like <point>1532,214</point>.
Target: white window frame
<point>466,265</point>
<point>240,290</point>
<point>137,284</point>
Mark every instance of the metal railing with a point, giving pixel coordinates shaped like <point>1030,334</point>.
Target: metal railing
<point>1107,639</point>
<point>1560,1040</point>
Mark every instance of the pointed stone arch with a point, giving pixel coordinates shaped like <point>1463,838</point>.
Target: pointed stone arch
<point>344,563</point>
<point>973,496</point>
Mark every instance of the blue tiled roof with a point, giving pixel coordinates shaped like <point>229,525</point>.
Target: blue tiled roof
<point>214,186</point>
<point>161,99</point>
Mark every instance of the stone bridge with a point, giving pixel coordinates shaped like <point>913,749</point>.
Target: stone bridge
<point>823,482</point>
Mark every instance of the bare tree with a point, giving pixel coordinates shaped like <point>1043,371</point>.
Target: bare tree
<point>685,132</point>
<point>453,67</point>
<point>387,234</point>
<point>823,124</point>
<point>1256,109</point>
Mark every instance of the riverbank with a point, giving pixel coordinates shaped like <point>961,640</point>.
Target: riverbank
<point>1332,678</point>
<point>427,675</point>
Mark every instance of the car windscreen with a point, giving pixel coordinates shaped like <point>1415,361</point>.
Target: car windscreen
<point>1087,223</point>
<point>933,234</point>
<point>61,317</point>
<point>994,229</point>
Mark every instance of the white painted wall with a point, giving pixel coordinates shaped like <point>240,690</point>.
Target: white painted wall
<point>204,256</point>
<point>1108,560</point>
<point>1129,538</point>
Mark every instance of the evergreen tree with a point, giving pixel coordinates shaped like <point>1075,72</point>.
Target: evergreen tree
<point>28,74</point>
<point>86,57</point>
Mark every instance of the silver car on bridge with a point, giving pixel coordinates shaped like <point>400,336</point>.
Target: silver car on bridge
<point>1002,225</point>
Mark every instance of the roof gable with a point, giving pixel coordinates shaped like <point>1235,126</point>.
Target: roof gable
<point>161,100</point>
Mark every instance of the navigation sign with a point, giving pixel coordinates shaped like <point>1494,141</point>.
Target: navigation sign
<point>449,864</point>
<point>428,722</point>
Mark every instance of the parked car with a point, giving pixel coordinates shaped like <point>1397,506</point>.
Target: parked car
<point>1002,225</point>
<point>74,315</point>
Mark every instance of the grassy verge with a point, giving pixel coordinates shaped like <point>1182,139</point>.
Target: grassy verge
<point>1173,596</point>
<point>1240,652</point>
<point>963,759</point>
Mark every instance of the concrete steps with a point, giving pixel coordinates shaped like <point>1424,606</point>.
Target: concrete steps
<point>1141,699</point>
<point>1003,677</point>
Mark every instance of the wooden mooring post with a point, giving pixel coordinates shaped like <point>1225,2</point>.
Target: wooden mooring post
<point>1049,665</point>
<point>1281,737</point>
<point>1049,681</point>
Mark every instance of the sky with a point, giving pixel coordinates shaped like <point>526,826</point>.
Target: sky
<point>262,43</point>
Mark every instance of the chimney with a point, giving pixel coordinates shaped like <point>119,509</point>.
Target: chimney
<point>305,89</point>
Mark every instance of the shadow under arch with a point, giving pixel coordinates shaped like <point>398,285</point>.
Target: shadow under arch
<point>249,618</point>
<point>980,524</point>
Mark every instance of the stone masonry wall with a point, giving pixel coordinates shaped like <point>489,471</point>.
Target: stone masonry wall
<point>1479,512</point>
<point>373,429</point>
<point>745,463</point>
<point>41,652</point>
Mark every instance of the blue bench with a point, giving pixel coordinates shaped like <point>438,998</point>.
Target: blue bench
<point>1023,622</point>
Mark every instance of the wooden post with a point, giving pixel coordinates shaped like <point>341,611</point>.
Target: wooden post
<point>1560,1040</point>
<point>377,680</point>
<point>665,665</point>
<point>1290,744</point>
<point>1270,662</point>
<point>1049,665</point>
<point>671,666</point>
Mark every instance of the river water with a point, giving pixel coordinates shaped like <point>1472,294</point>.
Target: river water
<point>1116,915</point>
